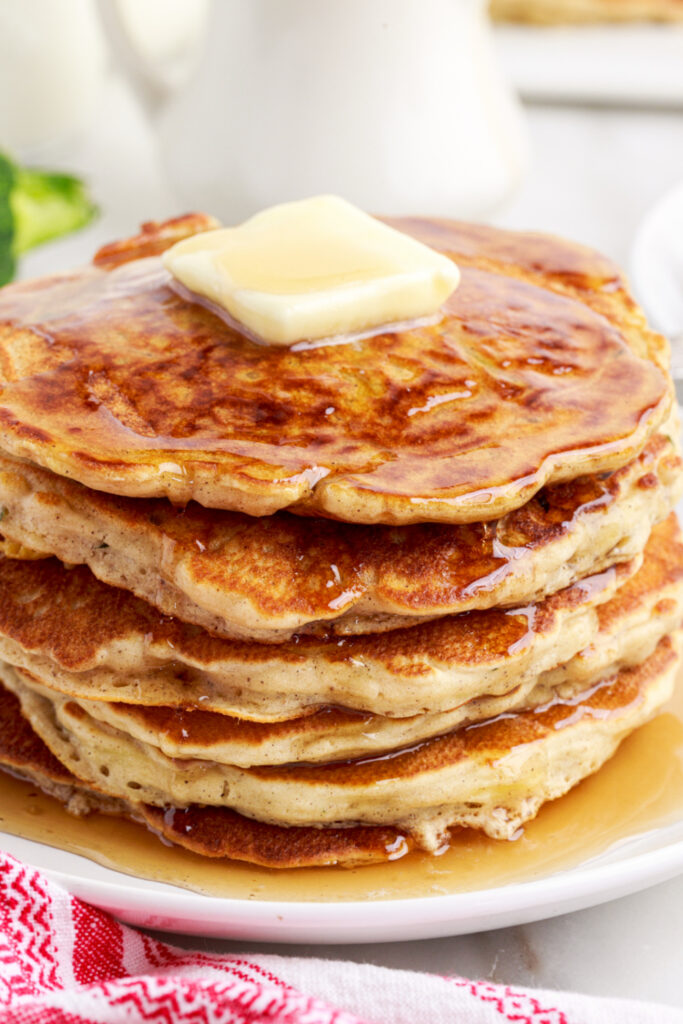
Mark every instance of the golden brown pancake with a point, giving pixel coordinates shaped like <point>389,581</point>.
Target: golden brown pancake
<point>268,578</point>
<point>492,775</point>
<point>558,12</point>
<point>117,649</point>
<point>210,831</point>
<point>110,377</point>
<point>645,608</point>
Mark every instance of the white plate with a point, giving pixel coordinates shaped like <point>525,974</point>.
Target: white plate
<point>657,262</point>
<point>632,865</point>
<point>616,64</point>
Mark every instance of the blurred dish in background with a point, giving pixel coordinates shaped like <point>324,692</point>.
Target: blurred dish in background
<point>562,12</point>
<point>624,65</point>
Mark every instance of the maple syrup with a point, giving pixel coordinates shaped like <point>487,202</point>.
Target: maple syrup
<point>126,387</point>
<point>638,790</point>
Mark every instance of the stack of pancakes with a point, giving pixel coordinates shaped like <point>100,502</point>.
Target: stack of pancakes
<point>324,603</point>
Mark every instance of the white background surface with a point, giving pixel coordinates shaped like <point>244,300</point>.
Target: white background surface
<point>593,175</point>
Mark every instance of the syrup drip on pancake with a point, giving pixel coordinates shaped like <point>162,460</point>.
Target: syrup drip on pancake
<point>568,831</point>
<point>269,578</point>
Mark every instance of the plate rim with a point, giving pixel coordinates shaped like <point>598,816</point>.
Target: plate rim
<point>344,921</point>
<point>621,869</point>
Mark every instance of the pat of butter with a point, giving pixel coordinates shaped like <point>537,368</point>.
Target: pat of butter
<point>313,269</point>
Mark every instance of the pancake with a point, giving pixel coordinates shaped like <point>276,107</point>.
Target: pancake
<point>210,831</point>
<point>117,649</point>
<point>631,624</point>
<point>269,578</point>
<point>620,633</point>
<point>108,376</point>
<point>492,775</point>
<point>559,12</point>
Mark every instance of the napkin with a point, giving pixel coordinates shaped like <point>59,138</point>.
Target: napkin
<point>64,962</point>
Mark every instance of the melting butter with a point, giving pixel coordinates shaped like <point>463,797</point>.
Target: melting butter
<point>313,269</point>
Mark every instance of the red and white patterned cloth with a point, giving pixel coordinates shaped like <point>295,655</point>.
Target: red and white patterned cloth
<point>63,962</point>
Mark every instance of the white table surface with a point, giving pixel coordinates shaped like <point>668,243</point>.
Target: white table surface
<point>593,175</point>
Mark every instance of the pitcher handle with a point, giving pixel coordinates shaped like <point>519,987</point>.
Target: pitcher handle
<point>177,29</point>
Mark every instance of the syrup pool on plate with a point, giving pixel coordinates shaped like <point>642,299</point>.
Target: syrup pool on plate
<point>640,789</point>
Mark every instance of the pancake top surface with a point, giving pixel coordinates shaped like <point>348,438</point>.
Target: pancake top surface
<point>109,376</point>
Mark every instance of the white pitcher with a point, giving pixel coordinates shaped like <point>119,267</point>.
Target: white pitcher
<point>396,105</point>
